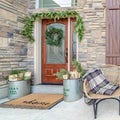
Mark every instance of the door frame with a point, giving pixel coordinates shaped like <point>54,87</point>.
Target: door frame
<point>38,47</point>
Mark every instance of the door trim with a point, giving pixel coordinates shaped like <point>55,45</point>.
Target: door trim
<point>37,53</point>
<point>38,47</point>
<point>69,43</point>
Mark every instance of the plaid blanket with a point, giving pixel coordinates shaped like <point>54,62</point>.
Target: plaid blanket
<point>98,83</point>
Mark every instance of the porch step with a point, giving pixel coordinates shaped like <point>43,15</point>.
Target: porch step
<point>49,89</point>
<point>3,91</point>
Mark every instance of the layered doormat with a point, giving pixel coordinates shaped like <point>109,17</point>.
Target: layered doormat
<point>34,101</point>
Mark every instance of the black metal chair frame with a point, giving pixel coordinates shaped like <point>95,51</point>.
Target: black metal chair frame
<point>96,102</point>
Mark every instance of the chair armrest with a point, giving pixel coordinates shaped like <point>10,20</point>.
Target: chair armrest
<point>86,88</point>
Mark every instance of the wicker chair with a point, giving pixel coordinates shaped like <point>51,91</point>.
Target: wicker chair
<point>112,73</point>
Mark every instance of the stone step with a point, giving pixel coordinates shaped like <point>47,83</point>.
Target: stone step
<point>3,91</point>
<point>50,89</point>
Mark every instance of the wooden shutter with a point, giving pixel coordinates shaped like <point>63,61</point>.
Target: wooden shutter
<point>113,32</point>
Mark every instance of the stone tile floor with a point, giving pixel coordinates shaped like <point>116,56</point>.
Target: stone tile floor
<point>77,110</point>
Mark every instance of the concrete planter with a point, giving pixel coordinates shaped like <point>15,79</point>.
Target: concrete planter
<point>72,89</point>
<point>18,89</point>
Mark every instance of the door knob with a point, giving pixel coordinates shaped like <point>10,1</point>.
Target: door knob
<point>66,55</point>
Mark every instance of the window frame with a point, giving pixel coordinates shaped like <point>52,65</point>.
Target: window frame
<point>73,4</point>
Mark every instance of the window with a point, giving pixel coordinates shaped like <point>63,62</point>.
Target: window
<point>74,42</point>
<point>55,3</point>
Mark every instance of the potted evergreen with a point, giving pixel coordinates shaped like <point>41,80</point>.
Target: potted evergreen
<point>77,72</point>
<point>19,83</point>
<point>72,82</point>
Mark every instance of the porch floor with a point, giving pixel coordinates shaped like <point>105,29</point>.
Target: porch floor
<point>77,110</point>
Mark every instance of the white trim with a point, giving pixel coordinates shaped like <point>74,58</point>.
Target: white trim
<point>37,53</point>
<point>36,4</point>
<point>68,43</point>
<point>77,45</point>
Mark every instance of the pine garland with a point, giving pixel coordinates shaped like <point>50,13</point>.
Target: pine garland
<point>56,15</point>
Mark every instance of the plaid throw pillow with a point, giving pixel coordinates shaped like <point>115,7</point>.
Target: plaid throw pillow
<point>98,83</point>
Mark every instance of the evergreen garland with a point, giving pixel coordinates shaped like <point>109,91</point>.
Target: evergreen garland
<point>54,36</point>
<point>56,15</point>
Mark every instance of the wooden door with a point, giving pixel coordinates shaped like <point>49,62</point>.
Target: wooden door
<point>113,32</point>
<point>54,58</point>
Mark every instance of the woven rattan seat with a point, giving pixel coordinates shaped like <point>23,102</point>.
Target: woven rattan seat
<point>112,74</point>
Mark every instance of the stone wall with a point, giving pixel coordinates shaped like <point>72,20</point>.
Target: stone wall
<point>92,48</point>
<point>14,50</point>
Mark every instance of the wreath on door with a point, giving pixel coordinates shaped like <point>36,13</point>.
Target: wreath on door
<point>54,36</point>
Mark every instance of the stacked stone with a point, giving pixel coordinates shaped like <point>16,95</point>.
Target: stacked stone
<point>13,46</point>
<point>92,48</point>
<point>31,6</point>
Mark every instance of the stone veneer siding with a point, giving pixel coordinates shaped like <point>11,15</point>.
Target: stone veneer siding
<point>93,47</point>
<point>14,49</point>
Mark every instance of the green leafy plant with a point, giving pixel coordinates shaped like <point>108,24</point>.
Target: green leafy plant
<point>77,69</point>
<point>18,71</point>
<point>23,74</point>
<point>61,73</point>
<point>56,15</point>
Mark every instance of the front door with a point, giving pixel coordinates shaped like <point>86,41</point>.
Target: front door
<point>54,57</point>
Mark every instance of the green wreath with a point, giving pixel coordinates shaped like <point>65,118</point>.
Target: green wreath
<point>54,36</point>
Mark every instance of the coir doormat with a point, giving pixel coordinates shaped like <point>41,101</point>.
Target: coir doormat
<point>34,101</point>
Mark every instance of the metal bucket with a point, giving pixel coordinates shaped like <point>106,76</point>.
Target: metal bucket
<point>18,89</point>
<point>72,89</point>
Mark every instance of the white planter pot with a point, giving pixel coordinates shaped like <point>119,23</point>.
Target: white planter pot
<point>18,89</point>
<point>72,89</point>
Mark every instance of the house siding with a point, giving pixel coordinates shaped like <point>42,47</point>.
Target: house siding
<point>93,47</point>
<point>14,49</point>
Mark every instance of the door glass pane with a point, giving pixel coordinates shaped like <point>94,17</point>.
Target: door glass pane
<point>74,46</point>
<point>57,3</point>
<point>54,54</point>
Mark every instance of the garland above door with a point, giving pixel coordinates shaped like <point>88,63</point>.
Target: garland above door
<point>56,15</point>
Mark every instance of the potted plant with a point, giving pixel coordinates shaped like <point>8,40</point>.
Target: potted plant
<point>19,83</point>
<point>77,72</point>
<point>72,82</point>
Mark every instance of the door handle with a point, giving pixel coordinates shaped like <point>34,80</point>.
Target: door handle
<point>66,55</point>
